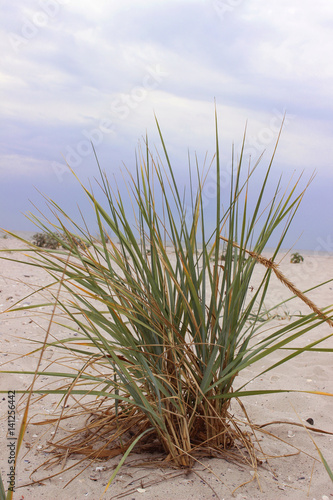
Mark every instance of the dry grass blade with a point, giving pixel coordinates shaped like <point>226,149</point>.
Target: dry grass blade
<point>269,264</point>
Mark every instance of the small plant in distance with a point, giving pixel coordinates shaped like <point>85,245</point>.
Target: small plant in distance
<point>296,258</point>
<point>57,240</point>
<point>165,326</point>
<point>45,240</point>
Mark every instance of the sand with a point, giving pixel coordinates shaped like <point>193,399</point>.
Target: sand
<point>299,476</point>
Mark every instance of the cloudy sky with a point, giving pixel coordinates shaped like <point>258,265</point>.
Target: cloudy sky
<point>72,72</point>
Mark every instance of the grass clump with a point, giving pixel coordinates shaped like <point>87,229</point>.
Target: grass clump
<point>296,258</point>
<point>45,240</point>
<point>57,240</point>
<point>165,325</point>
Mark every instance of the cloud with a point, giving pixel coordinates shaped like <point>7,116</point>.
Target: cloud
<point>76,71</point>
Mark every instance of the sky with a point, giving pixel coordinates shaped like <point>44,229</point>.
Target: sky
<point>74,72</point>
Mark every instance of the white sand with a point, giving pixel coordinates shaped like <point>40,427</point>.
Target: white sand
<point>297,477</point>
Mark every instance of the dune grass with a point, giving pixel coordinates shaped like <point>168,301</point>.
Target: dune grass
<point>165,325</point>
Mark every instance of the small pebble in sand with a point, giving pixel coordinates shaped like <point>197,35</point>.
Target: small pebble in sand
<point>291,434</point>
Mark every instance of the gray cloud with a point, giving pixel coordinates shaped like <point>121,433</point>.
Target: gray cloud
<point>72,72</point>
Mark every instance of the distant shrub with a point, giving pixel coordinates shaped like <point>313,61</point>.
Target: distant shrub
<point>223,256</point>
<point>104,235</point>
<point>296,258</point>
<point>57,240</point>
<point>78,242</point>
<point>45,240</point>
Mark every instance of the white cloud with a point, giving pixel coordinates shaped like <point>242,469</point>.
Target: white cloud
<point>91,62</point>
<point>23,166</point>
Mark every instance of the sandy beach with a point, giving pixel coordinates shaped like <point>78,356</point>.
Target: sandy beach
<point>298,476</point>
